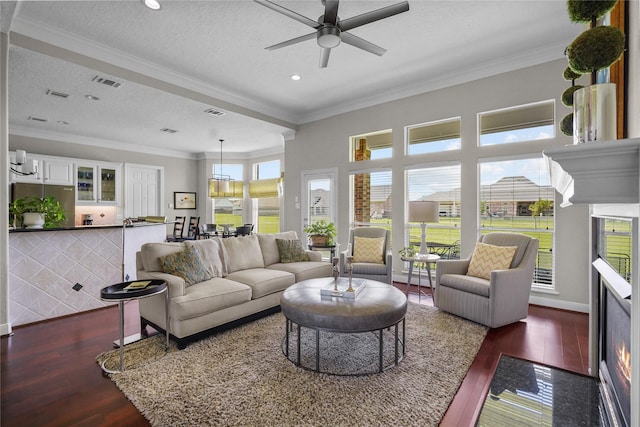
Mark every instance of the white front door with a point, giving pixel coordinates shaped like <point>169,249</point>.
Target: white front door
<point>319,196</point>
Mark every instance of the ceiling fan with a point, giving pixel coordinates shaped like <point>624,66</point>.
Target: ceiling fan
<point>331,30</point>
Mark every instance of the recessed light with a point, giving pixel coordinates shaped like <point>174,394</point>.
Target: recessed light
<point>295,77</point>
<point>152,4</point>
<point>62,122</point>
<point>91,97</point>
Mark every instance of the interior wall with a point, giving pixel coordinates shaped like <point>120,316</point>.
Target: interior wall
<point>324,144</point>
<point>5,326</point>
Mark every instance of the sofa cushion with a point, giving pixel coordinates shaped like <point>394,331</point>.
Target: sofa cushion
<point>305,270</point>
<point>269,247</point>
<point>291,251</point>
<point>469,284</point>
<point>186,264</point>
<point>209,296</point>
<point>487,257</point>
<point>150,252</point>
<point>243,253</point>
<point>263,281</point>
<point>368,249</point>
<point>213,255</point>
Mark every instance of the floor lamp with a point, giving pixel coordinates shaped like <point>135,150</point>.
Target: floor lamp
<point>424,211</point>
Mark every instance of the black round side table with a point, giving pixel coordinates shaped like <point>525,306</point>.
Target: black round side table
<point>128,291</point>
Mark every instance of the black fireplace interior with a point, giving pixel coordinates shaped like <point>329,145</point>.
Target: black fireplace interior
<point>615,357</point>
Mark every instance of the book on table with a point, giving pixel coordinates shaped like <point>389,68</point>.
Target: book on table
<point>137,285</point>
<point>343,284</point>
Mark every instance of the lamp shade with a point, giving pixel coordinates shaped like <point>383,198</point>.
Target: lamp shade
<point>424,211</point>
<point>218,187</point>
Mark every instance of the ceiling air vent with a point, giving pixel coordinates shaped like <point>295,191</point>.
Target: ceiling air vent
<point>106,81</point>
<point>167,130</point>
<point>37,119</point>
<point>58,94</point>
<point>215,112</point>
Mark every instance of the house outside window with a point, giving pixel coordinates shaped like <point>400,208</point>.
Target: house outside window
<point>515,196</point>
<point>371,203</point>
<point>441,184</point>
<point>229,210</point>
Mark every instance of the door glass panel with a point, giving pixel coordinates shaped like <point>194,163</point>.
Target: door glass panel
<point>107,185</point>
<point>85,183</point>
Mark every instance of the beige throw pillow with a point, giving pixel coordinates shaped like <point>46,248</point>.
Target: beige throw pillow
<point>490,257</point>
<point>368,249</point>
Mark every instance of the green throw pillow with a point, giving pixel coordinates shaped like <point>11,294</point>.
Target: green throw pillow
<point>291,251</point>
<point>186,264</point>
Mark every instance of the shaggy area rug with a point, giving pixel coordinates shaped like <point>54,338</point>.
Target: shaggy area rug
<point>242,378</point>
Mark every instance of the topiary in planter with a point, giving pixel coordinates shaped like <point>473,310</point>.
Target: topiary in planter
<point>567,95</point>
<point>595,49</point>
<point>587,10</point>
<point>566,125</point>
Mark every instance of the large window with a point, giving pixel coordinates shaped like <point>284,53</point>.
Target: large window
<point>229,210</point>
<point>265,190</point>
<point>515,196</point>
<point>371,146</point>
<point>434,137</point>
<point>517,124</point>
<point>440,184</point>
<point>371,199</point>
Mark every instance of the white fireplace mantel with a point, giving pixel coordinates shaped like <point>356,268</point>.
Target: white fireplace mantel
<point>596,172</point>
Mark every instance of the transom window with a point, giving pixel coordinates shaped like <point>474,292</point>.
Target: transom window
<point>517,124</point>
<point>371,146</point>
<point>434,137</point>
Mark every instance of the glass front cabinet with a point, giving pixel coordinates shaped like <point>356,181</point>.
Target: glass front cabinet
<point>98,183</point>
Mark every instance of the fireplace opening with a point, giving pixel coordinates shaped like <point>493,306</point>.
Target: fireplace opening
<point>615,356</point>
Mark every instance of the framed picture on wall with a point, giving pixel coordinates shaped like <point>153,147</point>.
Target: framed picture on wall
<point>184,200</point>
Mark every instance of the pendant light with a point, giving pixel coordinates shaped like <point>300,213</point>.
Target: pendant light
<point>221,185</point>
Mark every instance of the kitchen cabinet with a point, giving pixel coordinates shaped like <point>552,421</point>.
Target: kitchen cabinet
<point>98,183</point>
<point>50,170</point>
<point>35,178</point>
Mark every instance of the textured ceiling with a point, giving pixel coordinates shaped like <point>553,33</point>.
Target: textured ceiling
<point>193,55</point>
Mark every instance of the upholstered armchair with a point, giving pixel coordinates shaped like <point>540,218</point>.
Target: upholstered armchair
<point>371,251</point>
<point>500,297</point>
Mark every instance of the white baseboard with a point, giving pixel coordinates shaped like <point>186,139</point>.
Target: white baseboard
<point>5,329</point>
<point>561,304</point>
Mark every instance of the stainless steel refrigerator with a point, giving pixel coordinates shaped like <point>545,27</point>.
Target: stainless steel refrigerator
<point>65,194</point>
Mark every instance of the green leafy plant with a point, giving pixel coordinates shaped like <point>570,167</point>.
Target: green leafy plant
<point>322,228</point>
<point>408,252</point>
<point>49,206</point>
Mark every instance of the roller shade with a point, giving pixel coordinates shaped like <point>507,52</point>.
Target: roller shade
<point>520,118</point>
<point>263,188</point>
<point>435,132</point>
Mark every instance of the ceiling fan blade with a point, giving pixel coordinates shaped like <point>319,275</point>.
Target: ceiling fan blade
<point>290,13</point>
<point>331,11</point>
<point>292,41</point>
<point>374,15</point>
<point>356,41</point>
<point>324,57</point>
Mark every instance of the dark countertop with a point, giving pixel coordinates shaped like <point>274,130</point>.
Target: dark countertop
<point>84,227</point>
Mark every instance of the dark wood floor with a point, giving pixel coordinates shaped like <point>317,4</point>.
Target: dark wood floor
<point>49,375</point>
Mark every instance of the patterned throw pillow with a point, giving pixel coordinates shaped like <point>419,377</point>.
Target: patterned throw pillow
<point>490,257</point>
<point>291,251</point>
<point>368,249</point>
<point>186,264</point>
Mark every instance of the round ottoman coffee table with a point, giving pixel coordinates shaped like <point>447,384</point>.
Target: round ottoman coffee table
<point>378,307</point>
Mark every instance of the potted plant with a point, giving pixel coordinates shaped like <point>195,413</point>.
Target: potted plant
<point>35,212</point>
<point>322,233</point>
<point>594,107</point>
<point>408,251</point>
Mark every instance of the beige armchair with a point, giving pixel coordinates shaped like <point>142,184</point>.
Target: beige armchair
<point>380,271</point>
<point>498,301</point>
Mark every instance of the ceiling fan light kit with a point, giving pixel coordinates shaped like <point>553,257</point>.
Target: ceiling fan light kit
<point>331,31</point>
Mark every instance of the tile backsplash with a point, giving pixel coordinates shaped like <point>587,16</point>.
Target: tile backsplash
<point>102,215</point>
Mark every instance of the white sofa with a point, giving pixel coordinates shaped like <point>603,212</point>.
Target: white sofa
<point>249,281</point>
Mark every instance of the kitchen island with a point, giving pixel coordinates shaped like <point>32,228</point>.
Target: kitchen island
<point>57,272</point>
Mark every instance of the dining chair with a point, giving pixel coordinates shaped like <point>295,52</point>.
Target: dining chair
<point>178,230</point>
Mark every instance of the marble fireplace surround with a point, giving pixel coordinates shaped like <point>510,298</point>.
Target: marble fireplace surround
<point>606,176</point>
